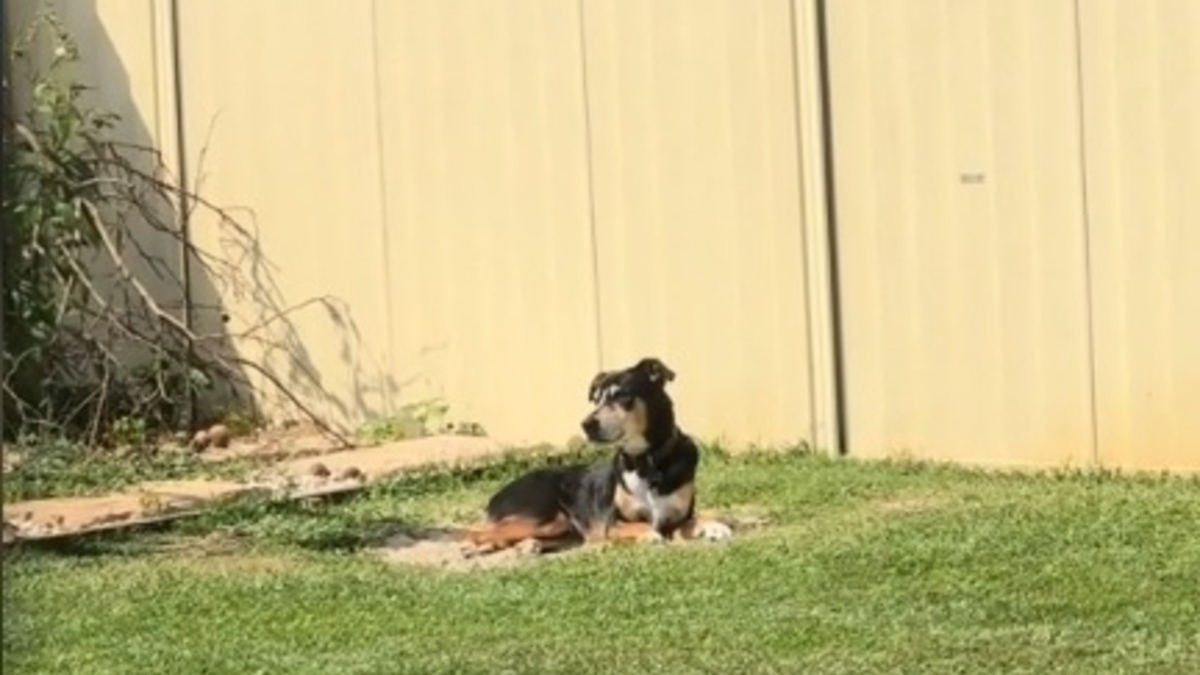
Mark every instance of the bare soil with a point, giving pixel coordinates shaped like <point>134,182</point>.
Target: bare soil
<point>442,548</point>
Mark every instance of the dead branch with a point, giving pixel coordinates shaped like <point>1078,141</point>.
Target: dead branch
<point>124,189</point>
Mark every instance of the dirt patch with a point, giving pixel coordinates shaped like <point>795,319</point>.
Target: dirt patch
<point>442,547</point>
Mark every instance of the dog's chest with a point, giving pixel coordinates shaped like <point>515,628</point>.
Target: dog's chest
<point>645,500</point>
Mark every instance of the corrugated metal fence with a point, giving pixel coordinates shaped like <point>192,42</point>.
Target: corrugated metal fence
<point>509,195</point>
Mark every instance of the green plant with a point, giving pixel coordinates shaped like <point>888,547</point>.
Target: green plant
<point>130,431</point>
<point>240,422</point>
<point>384,429</point>
<point>97,325</point>
<point>416,420</point>
<point>75,309</point>
<point>49,168</point>
<point>52,467</point>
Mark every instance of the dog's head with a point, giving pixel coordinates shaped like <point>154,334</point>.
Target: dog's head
<point>632,408</point>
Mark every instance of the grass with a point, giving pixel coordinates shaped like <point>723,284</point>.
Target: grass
<point>64,469</point>
<point>864,568</point>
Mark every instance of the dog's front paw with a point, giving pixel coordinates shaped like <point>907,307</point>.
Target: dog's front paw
<point>652,537</point>
<point>714,531</point>
<point>530,547</point>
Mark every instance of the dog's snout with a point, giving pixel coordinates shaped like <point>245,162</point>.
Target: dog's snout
<point>591,426</point>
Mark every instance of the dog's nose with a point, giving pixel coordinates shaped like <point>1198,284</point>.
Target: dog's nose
<point>590,425</point>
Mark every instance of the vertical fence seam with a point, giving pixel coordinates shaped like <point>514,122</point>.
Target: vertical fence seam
<point>591,184</point>
<point>1089,286</point>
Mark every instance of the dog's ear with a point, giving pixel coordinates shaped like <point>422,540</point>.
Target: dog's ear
<point>656,371</point>
<point>598,382</point>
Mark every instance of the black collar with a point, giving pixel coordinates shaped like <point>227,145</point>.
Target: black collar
<point>650,459</point>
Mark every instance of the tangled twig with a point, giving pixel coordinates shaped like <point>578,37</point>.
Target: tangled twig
<point>101,318</point>
<point>109,344</point>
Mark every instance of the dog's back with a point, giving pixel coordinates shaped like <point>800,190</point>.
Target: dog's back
<point>538,495</point>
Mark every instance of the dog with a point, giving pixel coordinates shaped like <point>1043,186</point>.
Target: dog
<point>645,491</point>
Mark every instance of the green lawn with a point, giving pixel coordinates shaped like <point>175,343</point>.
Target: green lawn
<point>864,568</point>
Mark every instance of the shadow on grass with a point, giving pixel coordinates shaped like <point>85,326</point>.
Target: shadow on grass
<point>788,486</point>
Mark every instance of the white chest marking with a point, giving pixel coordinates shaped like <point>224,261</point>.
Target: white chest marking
<point>652,504</point>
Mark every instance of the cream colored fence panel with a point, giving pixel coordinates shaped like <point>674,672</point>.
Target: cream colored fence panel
<point>484,148</point>
<point>503,197</point>
<point>1141,71</point>
<point>698,212</point>
<point>282,118</point>
<point>961,231</point>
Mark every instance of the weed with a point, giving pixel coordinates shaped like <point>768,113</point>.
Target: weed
<point>415,420</point>
<point>56,467</point>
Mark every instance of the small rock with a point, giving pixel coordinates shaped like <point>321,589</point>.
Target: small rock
<point>350,473</point>
<point>319,470</point>
<point>219,435</point>
<point>201,440</point>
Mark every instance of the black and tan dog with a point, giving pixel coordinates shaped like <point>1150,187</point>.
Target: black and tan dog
<point>644,492</point>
